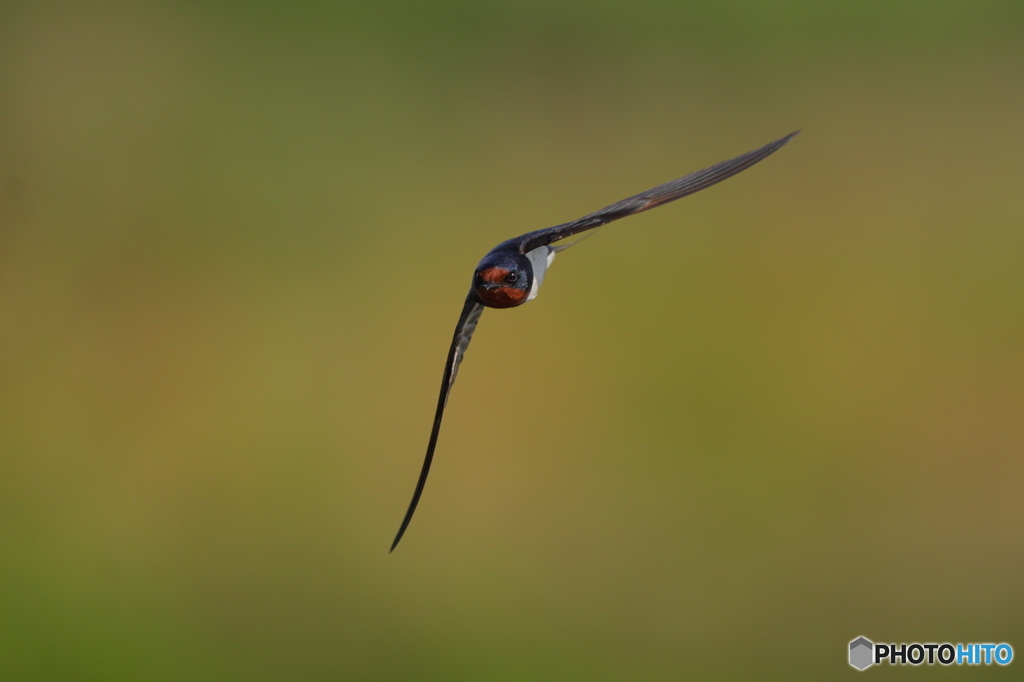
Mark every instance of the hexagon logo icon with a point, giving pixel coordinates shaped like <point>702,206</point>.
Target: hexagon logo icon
<point>861,650</point>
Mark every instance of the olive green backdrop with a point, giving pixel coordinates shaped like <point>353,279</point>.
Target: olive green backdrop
<point>730,436</point>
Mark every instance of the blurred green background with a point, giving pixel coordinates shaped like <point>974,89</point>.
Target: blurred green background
<point>732,434</point>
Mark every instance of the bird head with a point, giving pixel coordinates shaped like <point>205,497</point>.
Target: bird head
<point>503,279</point>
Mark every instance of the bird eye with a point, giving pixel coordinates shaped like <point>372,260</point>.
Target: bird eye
<point>512,277</point>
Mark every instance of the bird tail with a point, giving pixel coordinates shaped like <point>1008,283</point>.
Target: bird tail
<point>563,247</point>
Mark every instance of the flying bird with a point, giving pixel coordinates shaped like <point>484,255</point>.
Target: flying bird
<point>511,273</point>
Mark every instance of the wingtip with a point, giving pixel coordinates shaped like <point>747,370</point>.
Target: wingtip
<point>772,147</point>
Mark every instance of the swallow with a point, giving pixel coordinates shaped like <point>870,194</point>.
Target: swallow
<point>511,273</point>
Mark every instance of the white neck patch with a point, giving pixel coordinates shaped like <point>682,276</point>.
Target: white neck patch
<point>540,259</point>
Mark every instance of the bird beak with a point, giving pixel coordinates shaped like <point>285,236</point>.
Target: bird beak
<point>487,286</point>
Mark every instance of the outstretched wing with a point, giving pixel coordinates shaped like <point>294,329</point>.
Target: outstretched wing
<point>460,341</point>
<point>662,194</point>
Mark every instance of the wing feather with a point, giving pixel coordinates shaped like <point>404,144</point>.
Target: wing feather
<point>468,320</point>
<point>662,194</point>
